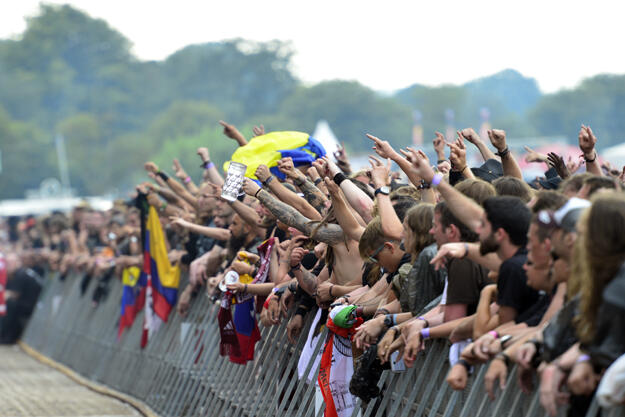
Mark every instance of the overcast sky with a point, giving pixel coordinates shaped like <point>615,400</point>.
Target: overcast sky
<point>385,45</point>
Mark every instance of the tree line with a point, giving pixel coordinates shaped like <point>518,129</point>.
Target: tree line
<point>71,74</point>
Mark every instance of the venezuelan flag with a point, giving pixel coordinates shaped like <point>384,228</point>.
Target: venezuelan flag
<point>270,148</point>
<point>164,277</point>
<point>133,296</point>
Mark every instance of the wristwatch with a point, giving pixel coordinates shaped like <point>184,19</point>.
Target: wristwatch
<point>385,189</point>
<point>504,340</point>
<point>388,321</point>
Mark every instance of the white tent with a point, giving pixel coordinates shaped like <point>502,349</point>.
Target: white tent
<point>324,135</point>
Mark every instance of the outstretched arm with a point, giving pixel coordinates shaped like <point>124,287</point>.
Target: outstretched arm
<point>587,142</point>
<point>510,166</point>
<point>343,213</point>
<point>286,195</point>
<point>354,195</point>
<point>331,234</point>
<point>214,232</point>
<point>210,170</point>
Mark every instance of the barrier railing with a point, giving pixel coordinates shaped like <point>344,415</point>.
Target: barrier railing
<point>180,372</point>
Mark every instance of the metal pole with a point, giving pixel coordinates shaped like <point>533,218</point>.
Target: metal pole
<point>62,158</point>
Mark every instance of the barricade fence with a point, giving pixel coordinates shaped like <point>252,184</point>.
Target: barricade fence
<point>181,373</point>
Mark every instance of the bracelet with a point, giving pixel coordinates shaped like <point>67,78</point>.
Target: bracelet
<point>318,180</point>
<point>256,193</point>
<point>396,331</point>
<point>503,153</point>
<point>162,175</point>
<point>330,290</point>
<point>583,358</point>
<point>187,180</point>
<point>339,178</point>
<point>394,318</point>
<point>427,323</point>
<point>425,333</point>
<point>296,267</point>
<point>591,160</point>
<point>465,364</point>
<point>438,177</point>
<point>268,180</point>
<point>207,165</point>
<point>466,250</point>
<point>494,334</point>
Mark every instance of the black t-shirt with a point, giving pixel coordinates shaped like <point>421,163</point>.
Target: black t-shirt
<point>512,289</point>
<point>533,315</point>
<point>465,280</point>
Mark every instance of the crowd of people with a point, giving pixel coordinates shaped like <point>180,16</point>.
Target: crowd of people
<point>509,271</point>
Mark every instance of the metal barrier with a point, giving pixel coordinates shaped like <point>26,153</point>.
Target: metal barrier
<point>180,372</point>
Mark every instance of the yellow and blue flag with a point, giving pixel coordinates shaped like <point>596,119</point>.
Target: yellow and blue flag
<point>270,148</point>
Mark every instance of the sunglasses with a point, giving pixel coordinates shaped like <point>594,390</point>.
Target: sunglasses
<point>373,256</point>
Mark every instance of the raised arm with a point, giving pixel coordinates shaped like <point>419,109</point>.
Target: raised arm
<point>182,175</point>
<point>354,195</point>
<point>214,232</point>
<point>331,234</point>
<point>174,185</point>
<point>587,142</point>
<point>344,215</point>
<point>210,170</point>
<point>313,195</point>
<point>458,157</point>
<point>470,135</point>
<point>465,209</point>
<point>233,133</point>
<point>510,166</point>
<point>391,225</point>
<point>286,195</point>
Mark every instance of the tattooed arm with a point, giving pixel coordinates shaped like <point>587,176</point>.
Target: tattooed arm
<point>331,234</point>
<point>313,195</point>
<point>308,281</point>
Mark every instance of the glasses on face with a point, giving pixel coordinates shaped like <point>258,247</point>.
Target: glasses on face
<point>373,257</point>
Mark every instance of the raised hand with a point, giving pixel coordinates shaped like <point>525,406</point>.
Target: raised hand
<point>341,156</point>
<point>285,165</point>
<point>497,138</point>
<point>262,173</point>
<point>333,189</point>
<point>322,167</point>
<point>151,167</point>
<point>203,153</point>
<point>573,164</point>
<point>533,156</point>
<point>178,170</point>
<point>458,154</point>
<point>439,145</point>
<point>380,173</point>
<point>421,164</point>
<point>230,130</point>
<point>470,135</point>
<point>250,187</point>
<point>557,162</point>
<point>382,147</point>
<point>587,141</point>
<point>258,130</point>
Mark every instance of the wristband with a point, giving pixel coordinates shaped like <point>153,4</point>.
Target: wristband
<point>438,177</point>
<point>162,175</point>
<point>591,160</point>
<point>494,334</point>
<point>266,303</point>
<point>394,317</point>
<point>583,358</point>
<point>339,178</point>
<point>466,250</point>
<point>208,165</point>
<point>503,153</point>
<point>465,364</point>
<point>318,180</point>
<point>425,333</point>
<point>301,310</point>
<point>268,180</point>
<point>256,193</point>
<point>187,180</point>
<point>427,324</point>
